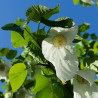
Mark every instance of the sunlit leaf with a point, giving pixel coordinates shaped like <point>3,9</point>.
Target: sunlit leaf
<point>84,27</point>
<point>17,75</point>
<point>80,50</point>
<point>96,47</point>
<point>44,82</point>
<point>75,2</point>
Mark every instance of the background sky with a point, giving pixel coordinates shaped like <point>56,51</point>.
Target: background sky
<point>13,9</point>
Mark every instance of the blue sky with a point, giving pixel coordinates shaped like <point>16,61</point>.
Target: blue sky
<point>13,9</point>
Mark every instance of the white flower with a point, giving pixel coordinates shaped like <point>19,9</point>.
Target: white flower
<point>84,86</point>
<point>59,50</point>
<point>8,95</point>
<point>4,70</point>
<point>88,1</point>
<point>23,93</point>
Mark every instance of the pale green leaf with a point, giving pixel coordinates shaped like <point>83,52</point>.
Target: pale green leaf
<point>41,82</point>
<point>96,47</point>
<point>76,2</point>
<point>17,75</point>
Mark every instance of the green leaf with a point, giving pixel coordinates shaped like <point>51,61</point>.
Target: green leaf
<point>11,54</point>
<point>86,3</point>
<point>96,47</point>
<point>47,71</point>
<point>84,27</point>
<point>77,39</point>
<point>13,27</point>
<point>40,11</point>
<point>93,36</point>
<point>88,61</point>
<point>64,22</point>
<point>29,37</point>
<point>40,35</point>
<point>76,2</point>
<point>18,20</point>
<point>80,50</point>
<point>85,43</point>
<point>94,66</point>
<point>17,40</point>
<point>85,36</point>
<point>52,91</point>
<point>3,51</point>
<point>17,75</point>
<point>96,2</point>
<point>41,82</point>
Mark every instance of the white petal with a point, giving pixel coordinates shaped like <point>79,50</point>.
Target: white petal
<point>88,75</point>
<point>69,33</point>
<point>64,60</point>
<point>84,90</point>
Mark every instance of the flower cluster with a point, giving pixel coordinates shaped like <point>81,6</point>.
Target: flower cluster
<point>59,50</point>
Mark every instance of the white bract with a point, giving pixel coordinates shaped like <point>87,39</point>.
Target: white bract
<point>4,70</point>
<point>23,93</point>
<point>84,86</point>
<point>59,50</point>
<point>88,1</point>
<point>8,95</point>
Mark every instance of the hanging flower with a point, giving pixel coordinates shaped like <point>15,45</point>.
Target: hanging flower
<point>84,86</point>
<point>23,93</point>
<point>59,50</point>
<point>4,70</point>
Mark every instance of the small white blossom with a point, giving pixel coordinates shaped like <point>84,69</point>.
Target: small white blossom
<point>8,95</point>
<point>84,86</point>
<point>59,50</point>
<point>4,70</point>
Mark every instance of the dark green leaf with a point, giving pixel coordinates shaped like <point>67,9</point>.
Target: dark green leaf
<point>64,22</point>
<point>84,27</point>
<point>11,54</point>
<point>41,82</point>
<point>13,27</point>
<point>93,36</point>
<point>40,11</point>
<point>3,51</point>
<point>40,35</point>
<point>85,36</point>
<point>77,39</point>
